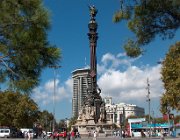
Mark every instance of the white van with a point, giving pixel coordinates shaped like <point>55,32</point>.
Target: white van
<point>4,133</point>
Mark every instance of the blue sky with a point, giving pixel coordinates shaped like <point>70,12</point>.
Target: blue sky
<point>119,76</point>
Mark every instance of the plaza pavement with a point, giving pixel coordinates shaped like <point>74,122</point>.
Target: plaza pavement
<point>101,138</point>
<point>118,138</point>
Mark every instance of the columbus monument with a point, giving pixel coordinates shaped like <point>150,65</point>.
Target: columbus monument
<point>92,115</point>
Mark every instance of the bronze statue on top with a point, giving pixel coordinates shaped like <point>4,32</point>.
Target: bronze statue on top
<point>93,11</point>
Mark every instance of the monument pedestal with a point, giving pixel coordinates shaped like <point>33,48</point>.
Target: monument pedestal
<point>86,122</point>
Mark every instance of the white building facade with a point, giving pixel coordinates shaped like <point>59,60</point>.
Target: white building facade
<point>119,112</point>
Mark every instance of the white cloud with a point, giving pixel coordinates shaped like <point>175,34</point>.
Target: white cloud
<point>127,85</point>
<point>118,77</point>
<point>44,94</point>
<point>113,61</point>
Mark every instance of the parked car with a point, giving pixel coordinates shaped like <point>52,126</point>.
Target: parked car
<point>49,134</point>
<point>57,134</point>
<point>63,134</point>
<point>4,132</point>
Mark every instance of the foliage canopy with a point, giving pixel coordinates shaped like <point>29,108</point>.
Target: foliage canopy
<point>24,49</point>
<point>46,120</point>
<point>147,19</point>
<point>171,79</point>
<point>17,110</point>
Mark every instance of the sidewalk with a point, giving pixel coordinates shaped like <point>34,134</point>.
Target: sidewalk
<point>136,138</point>
<point>103,138</point>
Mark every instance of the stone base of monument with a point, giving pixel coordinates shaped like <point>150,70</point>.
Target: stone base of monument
<point>86,123</point>
<point>87,129</point>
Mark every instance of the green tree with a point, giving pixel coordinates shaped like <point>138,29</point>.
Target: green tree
<point>46,119</point>
<point>177,119</point>
<point>159,120</point>
<point>24,48</point>
<point>171,79</point>
<point>17,110</point>
<point>62,123</point>
<point>147,19</point>
<point>72,121</point>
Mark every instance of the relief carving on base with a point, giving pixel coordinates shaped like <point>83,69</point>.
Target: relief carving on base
<point>87,113</point>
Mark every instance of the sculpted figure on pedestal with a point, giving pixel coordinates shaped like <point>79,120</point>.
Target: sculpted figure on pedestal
<point>80,115</point>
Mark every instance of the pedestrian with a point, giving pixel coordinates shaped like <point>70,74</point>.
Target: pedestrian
<point>89,134</point>
<point>118,133</point>
<point>95,135</point>
<point>68,136</point>
<point>72,135</point>
<point>77,134</point>
<point>29,135</point>
<point>142,134</point>
<point>114,133</point>
<point>162,135</point>
<point>123,134</point>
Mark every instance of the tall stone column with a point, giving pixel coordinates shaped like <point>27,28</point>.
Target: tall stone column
<point>94,91</point>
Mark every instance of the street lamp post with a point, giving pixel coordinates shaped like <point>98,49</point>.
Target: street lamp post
<point>148,97</point>
<point>115,114</point>
<point>168,113</point>
<point>54,93</point>
<point>149,100</point>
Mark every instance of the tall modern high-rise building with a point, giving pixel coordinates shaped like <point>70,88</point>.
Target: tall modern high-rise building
<point>81,82</point>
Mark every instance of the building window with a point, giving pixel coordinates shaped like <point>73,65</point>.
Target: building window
<point>115,118</point>
<point>107,101</point>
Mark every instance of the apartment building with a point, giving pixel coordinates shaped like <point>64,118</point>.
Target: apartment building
<point>81,81</point>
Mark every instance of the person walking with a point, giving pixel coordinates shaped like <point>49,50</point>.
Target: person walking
<point>95,135</point>
<point>89,134</point>
<point>29,135</point>
<point>162,135</point>
<point>72,135</point>
<point>68,136</point>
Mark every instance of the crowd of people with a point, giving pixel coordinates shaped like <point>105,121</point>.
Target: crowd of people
<point>71,135</point>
